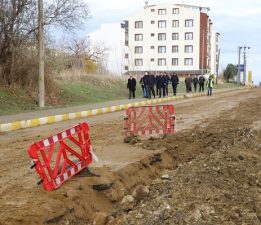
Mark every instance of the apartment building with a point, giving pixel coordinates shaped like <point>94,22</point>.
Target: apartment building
<point>168,37</point>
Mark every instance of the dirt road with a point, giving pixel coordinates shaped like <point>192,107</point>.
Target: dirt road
<point>126,166</point>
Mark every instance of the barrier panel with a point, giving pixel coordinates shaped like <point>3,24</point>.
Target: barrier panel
<point>58,158</point>
<point>146,120</point>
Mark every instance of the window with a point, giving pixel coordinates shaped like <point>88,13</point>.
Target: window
<point>152,34</point>
<point>189,36</point>
<point>175,23</point>
<point>162,49</point>
<point>162,11</point>
<point>138,24</point>
<point>126,67</point>
<point>152,21</point>
<point>126,56</point>
<point>138,37</point>
<point>152,60</point>
<point>188,23</point>
<point>175,61</point>
<point>175,36</point>
<point>138,62</point>
<point>188,62</point>
<point>188,48</point>
<point>175,11</point>
<point>152,47</point>
<point>161,62</point>
<point>162,36</point>
<point>162,24</point>
<point>152,10</point>
<point>175,49</point>
<point>138,49</point>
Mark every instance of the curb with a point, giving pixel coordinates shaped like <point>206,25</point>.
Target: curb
<point>83,114</point>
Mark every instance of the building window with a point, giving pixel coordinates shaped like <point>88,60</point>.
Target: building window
<point>188,48</point>
<point>175,11</point>
<point>188,36</point>
<point>152,34</point>
<point>161,62</point>
<point>138,37</point>
<point>138,49</point>
<point>126,56</point>
<point>138,62</point>
<point>188,62</point>
<point>188,23</point>
<point>152,10</point>
<point>162,24</point>
<point>126,67</point>
<point>175,36</point>
<point>152,21</point>
<point>138,24</point>
<point>162,36</point>
<point>152,47</point>
<point>175,61</point>
<point>162,49</point>
<point>175,49</point>
<point>152,60</point>
<point>162,11</point>
<point>175,23</point>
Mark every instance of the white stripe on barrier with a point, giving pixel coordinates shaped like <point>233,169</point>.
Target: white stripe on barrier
<point>72,116</point>
<point>43,120</point>
<point>58,118</point>
<point>46,142</point>
<point>65,176</point>
<point>55,138</point>
<point>79,166</point>
<point>83,113</point>
<point>72,171</point>
<point>64,135</point>
<point>26,123</point>
<point>113,108</point>
<point>104,110</point>
<point>94,111</point>
<point>58,180</point>
<point>72,131</point>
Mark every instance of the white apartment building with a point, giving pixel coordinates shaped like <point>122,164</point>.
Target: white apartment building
<point>168,37</point>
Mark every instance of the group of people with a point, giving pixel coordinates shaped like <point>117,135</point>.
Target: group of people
<point>161,81</point>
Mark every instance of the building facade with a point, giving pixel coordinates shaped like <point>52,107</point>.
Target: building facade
<point>168,37</point>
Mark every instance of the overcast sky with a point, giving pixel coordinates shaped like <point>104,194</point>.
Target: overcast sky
<point>238,22</point>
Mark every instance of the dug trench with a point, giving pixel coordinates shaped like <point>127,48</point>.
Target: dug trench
<point>208,174</point>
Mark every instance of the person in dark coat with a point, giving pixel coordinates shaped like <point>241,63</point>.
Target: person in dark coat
<point>151,84</point>
<point>174,81</point>
<point>167,83</point>
<point>162,83</point>
<point>195,83</point>
<point>188,82</point>
<point>144,91</point>
<point>131,85</point>
<point>157,85</point>
<point>201,82</point>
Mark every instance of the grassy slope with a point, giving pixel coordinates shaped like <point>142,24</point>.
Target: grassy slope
<point>82,91</point>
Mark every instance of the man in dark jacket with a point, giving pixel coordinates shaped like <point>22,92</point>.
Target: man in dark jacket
<point>167,83</point>
<point>201,82</point>
<point>131,85</point>
<point>174,81</point>
<point>188,82</point>
<point>195,83</point>
<point>151,84</point>
<point>162,83</point>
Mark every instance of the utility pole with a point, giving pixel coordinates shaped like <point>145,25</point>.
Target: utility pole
<point>244,74</point>
<point>41,53</point>
<point>238,68</point>
<point>202,56</point>
<point>217,65</point>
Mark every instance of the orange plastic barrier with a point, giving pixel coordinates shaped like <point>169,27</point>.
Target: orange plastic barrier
<point>146,120</point>
<point>58,158</point>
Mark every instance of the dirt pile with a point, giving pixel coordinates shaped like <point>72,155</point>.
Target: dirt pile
<point>217,179</point>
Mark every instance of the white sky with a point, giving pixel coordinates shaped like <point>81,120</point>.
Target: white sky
<point>238,22</point>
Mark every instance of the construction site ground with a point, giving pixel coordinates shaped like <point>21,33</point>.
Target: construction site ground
<point>208,172</point>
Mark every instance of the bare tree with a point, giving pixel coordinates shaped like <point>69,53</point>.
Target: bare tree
<point>18,26</point>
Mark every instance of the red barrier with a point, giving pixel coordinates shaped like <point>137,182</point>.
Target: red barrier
<point>145,120</point>
<point>58,158</point>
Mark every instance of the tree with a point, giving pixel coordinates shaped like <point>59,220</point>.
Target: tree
<point>18,29</point>
<point>230,72</point>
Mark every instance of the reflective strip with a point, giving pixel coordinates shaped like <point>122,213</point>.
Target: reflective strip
<point>72,171</point>
<point>104,110</point>
<point>72,131</point>
<point>79,166</point>
<point>83,113</point>
<point>46,142</point>
<point>72,116</point>
<point>55,138</point>
<point>58,118</point>
<point>64,135</point>
<point>58,180</point>
<point>94,111</point>
<point>65,176</point>
<point>113,108</point>
<point>43,120</point>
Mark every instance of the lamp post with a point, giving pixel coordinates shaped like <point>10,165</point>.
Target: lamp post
<point>244,74</point>
<point>238,68</point>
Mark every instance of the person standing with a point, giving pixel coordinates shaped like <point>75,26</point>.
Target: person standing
<point>195,83</point>
<point>167,83</point>
<point>201,82</point>
<point>131,85</point>
<point>157,84</point>
<point>188,82</point>
<point>162,83</point>
<point>151,84</point>
<point>143,87</point>
<point>210,84</point>
<point>174,81</point>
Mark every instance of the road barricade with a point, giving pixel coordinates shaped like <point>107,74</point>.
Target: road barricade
<point>58,158</point>
<point>147,120</point>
